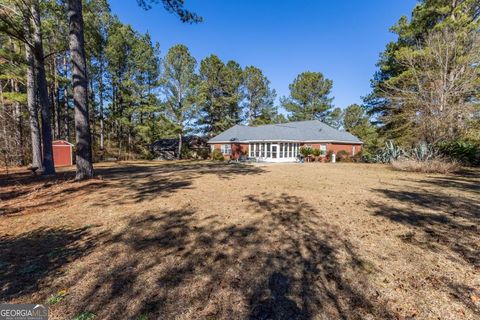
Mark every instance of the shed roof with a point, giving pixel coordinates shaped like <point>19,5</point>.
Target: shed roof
<point>301,131</point>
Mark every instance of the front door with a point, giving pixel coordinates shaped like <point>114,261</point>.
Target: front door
<point>274,151</point>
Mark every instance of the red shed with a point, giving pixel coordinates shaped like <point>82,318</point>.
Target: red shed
<point>62,153</point>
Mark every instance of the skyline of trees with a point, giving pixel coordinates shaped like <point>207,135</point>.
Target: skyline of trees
<point>132,94</point>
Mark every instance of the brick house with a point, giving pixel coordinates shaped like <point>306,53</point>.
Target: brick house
<point>282,142</point>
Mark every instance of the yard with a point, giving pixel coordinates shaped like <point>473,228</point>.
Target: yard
<point>200,240</point>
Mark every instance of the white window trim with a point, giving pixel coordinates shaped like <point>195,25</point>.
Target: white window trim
<point>224,150</point>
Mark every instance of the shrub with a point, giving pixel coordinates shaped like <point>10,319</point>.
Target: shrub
<point>203,153</point>
<point>316,152</point>
<point>306,151</point>
<point>390,153</point>
<point>466,152</point>
<point>342,155</point>
<point>217,155</point>
<point>427,166</point>
<point>186,152</point>
<point>329,155</point>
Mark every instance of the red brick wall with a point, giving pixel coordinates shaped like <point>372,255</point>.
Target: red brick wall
<point>237,149</point>
<point>242,148</point>
<point>336,147</point>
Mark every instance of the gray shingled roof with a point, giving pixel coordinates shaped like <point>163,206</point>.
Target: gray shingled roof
<point>301,131</point>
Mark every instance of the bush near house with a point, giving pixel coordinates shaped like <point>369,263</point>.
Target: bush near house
<point>343,156</point>
<point>217,155</point>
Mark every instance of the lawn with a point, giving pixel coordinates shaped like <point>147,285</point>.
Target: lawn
<point>200,240</point>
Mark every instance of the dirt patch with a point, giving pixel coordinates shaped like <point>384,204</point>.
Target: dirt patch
<point>190,240</point>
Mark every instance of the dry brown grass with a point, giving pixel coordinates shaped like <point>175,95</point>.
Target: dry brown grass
<point>428,166</point>
<point>198,240</point>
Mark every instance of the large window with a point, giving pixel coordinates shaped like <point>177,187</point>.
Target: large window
<point>226,149</point>
<point>268,150</point>
<point>257,150</point>
<point>281,151</point>
<point>323,149</point>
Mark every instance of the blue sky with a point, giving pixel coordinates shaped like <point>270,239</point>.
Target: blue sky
<point>341,38</point>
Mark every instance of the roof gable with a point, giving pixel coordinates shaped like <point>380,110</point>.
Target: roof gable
<point>313,130</point>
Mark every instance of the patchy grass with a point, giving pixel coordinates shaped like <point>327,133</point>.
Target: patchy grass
<point>428,166</point>
<point>201,240</point>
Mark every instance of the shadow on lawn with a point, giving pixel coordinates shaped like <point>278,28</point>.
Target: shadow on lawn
<point>120,184</point>
<point>286,263</point>
<point>30,259</point>
<point>445,224</point>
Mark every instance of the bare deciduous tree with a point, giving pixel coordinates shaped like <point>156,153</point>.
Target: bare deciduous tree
<point>438,93</point>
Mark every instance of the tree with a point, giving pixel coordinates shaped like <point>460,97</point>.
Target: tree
<point>354,116</point>
<point>437,93</point>
<point>42,89</point>
<point>175,7</point>
<point>334,118</point>
<point>80,96</point>
<point>219,95</point>
<point>427,16</point>
<point>179,81</point>
<point>357,122</point>
<point>260,98</point>
<point>309,97</point>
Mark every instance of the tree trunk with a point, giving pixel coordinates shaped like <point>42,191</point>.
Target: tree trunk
<point>80,95</point>
<point>102,132</point>
<point>32,110</point>
<point>179,156</point>
<point>66,115</point>
<point>48,167</point>
<point>19,119</point>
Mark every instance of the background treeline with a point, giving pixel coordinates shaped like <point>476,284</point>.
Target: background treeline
<point>135,96</point>
<point>425,91</point>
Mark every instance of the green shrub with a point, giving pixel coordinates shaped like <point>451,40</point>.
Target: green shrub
<point>466,152</point>
<point>217,155</point>
<point>330,153</point>
<point>306,151</point>
<point>342,155</point>
<point>203,153</point>
<point>186,152</point>
<point>316,152</point>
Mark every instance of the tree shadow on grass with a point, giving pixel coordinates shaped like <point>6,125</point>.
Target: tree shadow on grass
<point>35,258</point>
<point>444,224</point>
<point>283,263</point>
<point>120,184</point>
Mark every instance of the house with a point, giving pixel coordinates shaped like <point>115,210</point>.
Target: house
<point>167,149</point>
<point>282,142</point>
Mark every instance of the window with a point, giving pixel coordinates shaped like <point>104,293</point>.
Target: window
<point>257,150</point>
<point>250,150</point>
<point>268,150</point>
<point>226,149</point>
<point>323,149</point>
<point>281,150</point>
<point>290,150</point>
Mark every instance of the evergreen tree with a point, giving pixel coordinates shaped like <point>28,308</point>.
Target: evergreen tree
<point>219,95</point>
<point>259,97</point>
<point>179,85</point>
<point>309,97</point>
